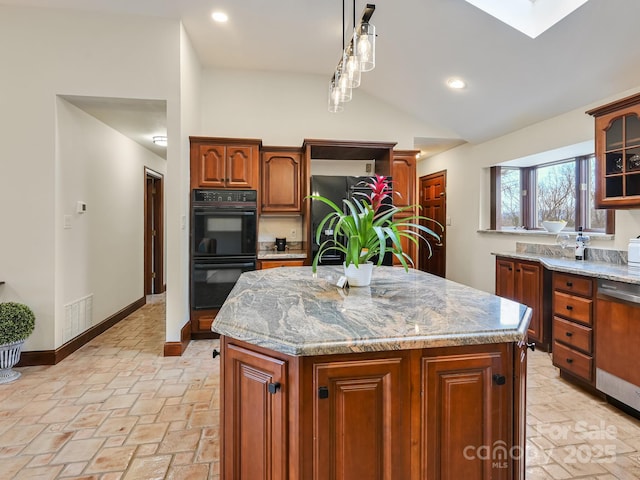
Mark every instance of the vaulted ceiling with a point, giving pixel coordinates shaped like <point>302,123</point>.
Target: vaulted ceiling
<point>513,80</point>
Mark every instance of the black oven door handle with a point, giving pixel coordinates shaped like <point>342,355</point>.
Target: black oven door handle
<point>225,213</point>
<point>210,266</point>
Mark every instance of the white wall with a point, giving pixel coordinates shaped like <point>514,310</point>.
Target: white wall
<point>45,53</point>
<point>284,109</point>
<point>101,254</point>
<point>469,258</point>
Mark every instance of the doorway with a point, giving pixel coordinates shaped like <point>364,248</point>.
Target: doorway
<point>153,232</point>
<point>433,200</point>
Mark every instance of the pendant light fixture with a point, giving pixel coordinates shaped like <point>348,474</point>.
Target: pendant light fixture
<point>357,57</point>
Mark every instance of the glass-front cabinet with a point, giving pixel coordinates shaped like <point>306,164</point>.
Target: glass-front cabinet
<point>617,138</point>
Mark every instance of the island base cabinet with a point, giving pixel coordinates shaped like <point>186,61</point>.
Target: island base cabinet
<point>425,414</point>
<point>464,432</point>
<point>360,425</point>
<point>253,415</point>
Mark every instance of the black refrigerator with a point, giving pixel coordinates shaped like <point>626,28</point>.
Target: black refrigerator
<point>336,188</point>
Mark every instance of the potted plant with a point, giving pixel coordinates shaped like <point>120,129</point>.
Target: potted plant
<point>364,231</point>
<point>16,324</point>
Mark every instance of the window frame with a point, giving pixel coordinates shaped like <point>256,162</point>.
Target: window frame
<point>528,192</point>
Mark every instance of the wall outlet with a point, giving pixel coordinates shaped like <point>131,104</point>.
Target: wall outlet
<point>293,233</point>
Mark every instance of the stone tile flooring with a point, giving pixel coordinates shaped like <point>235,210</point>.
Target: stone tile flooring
<point>117,409</point>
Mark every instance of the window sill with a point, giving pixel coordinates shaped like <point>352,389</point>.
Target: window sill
<point>543,233</point>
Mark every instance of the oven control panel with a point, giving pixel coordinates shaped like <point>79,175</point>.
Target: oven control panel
<point>232,197</point>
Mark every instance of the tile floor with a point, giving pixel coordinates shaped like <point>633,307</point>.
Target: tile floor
<point>117,409</point>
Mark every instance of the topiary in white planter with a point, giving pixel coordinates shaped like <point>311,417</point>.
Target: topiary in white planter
<point>17,322</point>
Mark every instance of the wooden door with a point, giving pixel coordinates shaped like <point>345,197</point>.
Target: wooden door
<point>240,167</point>
<point>361,428</point>
<point>529,292</point>
<point>254,415</point>
<point>153,233</point>
<point>281,182</point>
<point>465,397</point>
<point>210,166</point>
<point>434,206</point>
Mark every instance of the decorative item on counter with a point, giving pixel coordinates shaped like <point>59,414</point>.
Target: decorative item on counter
<point>361,231</point>
<point>281,244</point>
<point>633,254</point>
<point>563,240</point>
<point>554,226</point>
<point>581,242</point>
<point>17,322</point>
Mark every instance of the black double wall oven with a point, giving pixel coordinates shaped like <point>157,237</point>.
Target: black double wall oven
<point>223,243</point>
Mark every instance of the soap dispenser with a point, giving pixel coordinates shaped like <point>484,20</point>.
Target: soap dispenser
<point>580,243</point>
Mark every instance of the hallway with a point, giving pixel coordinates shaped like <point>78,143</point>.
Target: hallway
<point>116,409</point>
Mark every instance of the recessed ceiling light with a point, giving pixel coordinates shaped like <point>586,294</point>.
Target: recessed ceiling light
<point>456,83</point>
<point>220,17</point>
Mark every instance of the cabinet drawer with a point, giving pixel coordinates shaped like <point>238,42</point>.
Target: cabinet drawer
<point>280,263</point>
<point>570,306</point>
<point>572,334</point>
<point>572,361</point>
<point>573,284</point>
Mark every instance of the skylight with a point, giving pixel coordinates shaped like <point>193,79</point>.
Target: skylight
<point>531,17</point>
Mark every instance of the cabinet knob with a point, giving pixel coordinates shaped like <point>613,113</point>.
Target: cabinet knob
<point>273,387</point>
<point>499,379</point>
<point>569,360</point>
<point>569,307</point>
<point>215,353</point>
<point>569,334</point>
<point>323,392</point>
<point>531,346</point>
<point>517,269</point>
<point>569,284</point>
<point>510,269</point>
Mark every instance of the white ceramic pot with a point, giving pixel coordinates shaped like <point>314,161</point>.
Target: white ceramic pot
<point>9,356</point>
<point>359,276</point>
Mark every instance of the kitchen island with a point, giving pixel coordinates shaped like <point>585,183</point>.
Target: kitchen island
<point>414,377</point>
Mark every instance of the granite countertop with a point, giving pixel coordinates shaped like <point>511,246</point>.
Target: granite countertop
<point>287,254</point>
<point>290,310</point>
<point>604,270</point>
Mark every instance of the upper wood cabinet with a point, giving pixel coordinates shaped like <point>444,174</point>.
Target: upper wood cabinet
<point>282,185</point>
<point>224,163</point>
<point>404,177</point>
<point>617,138</point>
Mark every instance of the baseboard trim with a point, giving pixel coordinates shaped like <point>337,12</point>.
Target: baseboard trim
<point>51,357</point>
<point>176,349</point>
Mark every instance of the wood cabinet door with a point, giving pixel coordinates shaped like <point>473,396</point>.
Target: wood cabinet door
<point>281,182</point>
<point>520,409</point>
<point>253,415</point>
<point>505,278</point>
<point>466,432</point>
<point>210,166</point>
<point>404,178</point>
<point>529,292</point>
<point>241,167</point>
<point>361,414</point>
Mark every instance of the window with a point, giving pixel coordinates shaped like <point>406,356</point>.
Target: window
<point>564,190</point>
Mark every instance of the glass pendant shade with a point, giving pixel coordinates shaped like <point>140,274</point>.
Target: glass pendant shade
<point>352,68</point>
<point>334,98</point>
<point>366,46</point>
<point>342,85</point>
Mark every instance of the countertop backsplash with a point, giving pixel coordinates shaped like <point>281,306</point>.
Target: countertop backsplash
<point>616,257</point>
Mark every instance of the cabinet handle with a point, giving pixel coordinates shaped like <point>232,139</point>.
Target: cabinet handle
<point>215,353</point>
<point>569,360</point>
<point>517,269</point>
<point>569,334</point>
<point>273,387</point>
<point>569,284</point>
<point>569,307</point>
<point>510,269</point>
<point>499,379</point>
<point>323,392</point>
<point>531,346</point>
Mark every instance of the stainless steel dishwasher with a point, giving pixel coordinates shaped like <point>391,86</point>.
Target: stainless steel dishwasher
<point>618,341</point>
